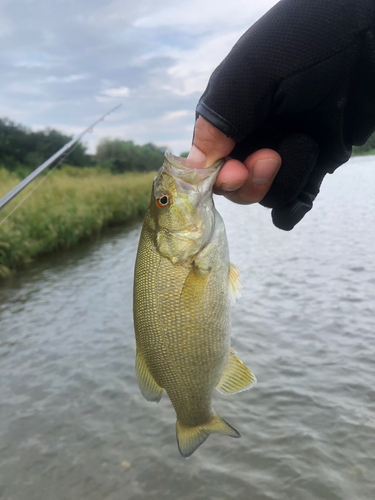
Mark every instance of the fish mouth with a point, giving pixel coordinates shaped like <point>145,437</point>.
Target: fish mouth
<point>176,167</point>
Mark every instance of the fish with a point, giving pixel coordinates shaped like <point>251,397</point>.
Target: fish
<point>183,286</point>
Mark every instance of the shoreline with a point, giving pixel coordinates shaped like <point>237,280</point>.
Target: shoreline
<point>72,205</point>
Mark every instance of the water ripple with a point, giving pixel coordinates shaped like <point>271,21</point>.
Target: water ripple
<point>74,424</point>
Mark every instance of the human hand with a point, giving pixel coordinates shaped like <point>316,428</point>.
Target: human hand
<point>241,182</point>
<point>300,82</point>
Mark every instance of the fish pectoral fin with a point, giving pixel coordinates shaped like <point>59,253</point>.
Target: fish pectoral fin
<point>150,389</point>
<point>190,438</point>
<point>234,282</point>
<point>236,376</point>
<point>195,286</point>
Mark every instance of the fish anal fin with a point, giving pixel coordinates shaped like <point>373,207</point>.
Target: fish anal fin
<point>234,282</point>
<point>190,438</point>
<point>150,389</point>
<point>236,376</point>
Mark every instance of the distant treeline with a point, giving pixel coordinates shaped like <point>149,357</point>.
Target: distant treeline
<point>366,149</point>
<point>22,150</point>
<point>124,156</point>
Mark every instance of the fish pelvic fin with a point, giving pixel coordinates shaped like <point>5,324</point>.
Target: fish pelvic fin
<point>236,376</point>
<point>234,282</point>
<point>190,438</point>
<point>150,389</point>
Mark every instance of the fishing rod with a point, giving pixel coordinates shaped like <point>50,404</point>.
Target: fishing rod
<point>15,191</point>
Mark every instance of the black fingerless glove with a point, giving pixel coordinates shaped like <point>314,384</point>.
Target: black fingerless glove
<point>300,81</point>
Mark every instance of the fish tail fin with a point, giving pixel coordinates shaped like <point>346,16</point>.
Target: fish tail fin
<point>190,438</point>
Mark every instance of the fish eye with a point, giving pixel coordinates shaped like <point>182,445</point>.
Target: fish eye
<point>162,201</point>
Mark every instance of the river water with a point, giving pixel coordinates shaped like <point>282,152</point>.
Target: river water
<point>73,424</point>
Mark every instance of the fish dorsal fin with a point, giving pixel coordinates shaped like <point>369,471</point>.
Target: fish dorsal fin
<point>190,438</point>
<point>150,389</point>
<point>236,376</point>
<point>234,282</point>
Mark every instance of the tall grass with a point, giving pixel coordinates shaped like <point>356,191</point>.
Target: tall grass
<point>70,205</point>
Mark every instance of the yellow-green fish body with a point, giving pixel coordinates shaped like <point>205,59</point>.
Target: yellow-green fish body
<point>182,291</point>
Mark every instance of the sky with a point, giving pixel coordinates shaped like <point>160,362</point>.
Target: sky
<point>64,63</point>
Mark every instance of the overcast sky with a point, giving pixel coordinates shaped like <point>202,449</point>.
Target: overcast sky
<point>66,62</point>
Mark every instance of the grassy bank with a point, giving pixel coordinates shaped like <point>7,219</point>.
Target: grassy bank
<point>70,205</point>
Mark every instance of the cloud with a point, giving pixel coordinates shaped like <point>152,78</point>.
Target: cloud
<point>22,88</point>
<point>119,92</point>
<point>173,115</point>
<point>64,79</point>
<point>193,67</point>
<point>66,63</point>
<point>198,15</point>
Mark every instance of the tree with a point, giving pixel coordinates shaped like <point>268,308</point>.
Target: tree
<point>368,148</point>
<point>123,156</point>
<point>22,149</point>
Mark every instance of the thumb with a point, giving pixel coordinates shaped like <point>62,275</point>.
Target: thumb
<point>209,145</point>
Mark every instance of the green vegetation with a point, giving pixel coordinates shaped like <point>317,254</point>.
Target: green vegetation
<point>366,149</point>
<point>108,188</point>
<point>69,206</point>
<point>73,203</point>
<point>22,150</point>
<point>124,156</point>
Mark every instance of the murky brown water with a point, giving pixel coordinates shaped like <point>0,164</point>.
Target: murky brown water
<point>73,424</point>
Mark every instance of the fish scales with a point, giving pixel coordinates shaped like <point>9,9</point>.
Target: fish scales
<point>174,338</point>
<point>182,303</point>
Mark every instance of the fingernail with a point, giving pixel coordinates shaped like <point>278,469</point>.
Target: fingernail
<point>196,159</point>
<point>264,171</point>
<point>230,186</point>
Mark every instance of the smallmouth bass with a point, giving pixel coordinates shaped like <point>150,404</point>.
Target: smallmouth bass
<point>183,285</point>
